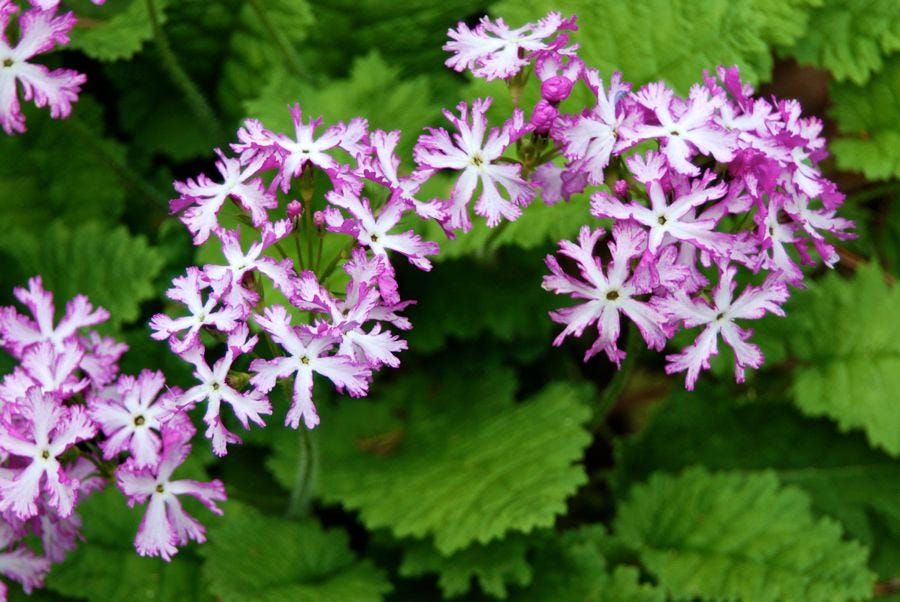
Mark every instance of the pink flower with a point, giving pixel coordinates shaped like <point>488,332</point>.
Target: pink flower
<point>606,294</point>
<point>492,50</point>
<point>476,157</point>
<point>132,416</point>
<point>307,354</point>
<point>39,429</point>
<point>718,318</point>
<point>19,563</point>
<point>204,198</point>
<point>166,525</point>
<point>53,370</point>
<point>39,32</point>
<point>19,332</point>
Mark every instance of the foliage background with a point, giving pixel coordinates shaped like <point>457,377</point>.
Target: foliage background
<point>481,469</point>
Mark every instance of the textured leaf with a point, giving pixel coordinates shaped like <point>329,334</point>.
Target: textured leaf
<point>731,536</point>
<point>105,567</point>
<point>571,566</point>
<point>374,90</point>
<point>114,32</point>
<point>845,335</point>
<point>463,464</point>
<point>112,267</point>
<point>850,38</point>
<point>250,556</point>
<point>869,117</point>
<point>843,476</point>
<point>494,566</point>
<point>675,41</point>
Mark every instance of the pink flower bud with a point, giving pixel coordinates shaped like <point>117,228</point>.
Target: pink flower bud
<point>556,88</point>
<point>319,218</point>
<point>543,116</point>
<point>294,209</point>
<point>621,188</point>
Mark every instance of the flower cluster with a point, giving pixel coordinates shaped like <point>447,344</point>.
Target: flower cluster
<point>69,424</point>
<point>41,29</point>
<point>313,277</point>
<point>724,187</point>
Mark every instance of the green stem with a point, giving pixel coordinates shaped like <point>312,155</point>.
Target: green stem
<point>277,35</point>
<point>494,236</point>
<point>615,387</point>
<point>304,476</point>
<point>126,174</point>
<point>192,95</point>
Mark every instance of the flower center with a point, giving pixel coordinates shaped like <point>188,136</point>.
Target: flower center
<point>160,488</point>
<point>373,238</point>
<point>661,220</point>
<point>477,160</point>
<point>45,454</point>
<point>304,360</point>
<point>720,316</point>
<point>612,295</point>
<point>7,62</point>
<point>215,386</point>
<point>139,420</point>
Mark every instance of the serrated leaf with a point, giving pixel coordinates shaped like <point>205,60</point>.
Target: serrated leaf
<point>675,41</point>
<point>465,464</point>
<point>845,336</point>
<point>112,267</point>
<point>731,536</point>
<point>843,476</point>
<point>869,118</point>
<point>850,38</point>
<point>106,568</point>
<point>250,556</point>
<point>571,566</point>
<point>494,565</point>
<point>115,32</point>
<point>374,90</point>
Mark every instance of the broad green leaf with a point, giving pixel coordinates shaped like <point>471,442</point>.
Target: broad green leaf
<point>494,566</point>
<point>845,336</point>
<point>844,478</point>
<point>571,566</point>
<point>251,556</point>
<point>869,119</point>
<point>106,568</point>
<point>451,455</point>
<point>109,265</point>
<point>374,89</point>
<point>732,536</point>
<point>675,41</point>
<point>850,38</point>
<point>114,32</point>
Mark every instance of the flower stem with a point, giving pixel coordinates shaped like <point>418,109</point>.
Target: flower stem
<point>304,477</point>
<point>615,387</point>
<point>277,35</point>
<point>192,95</point>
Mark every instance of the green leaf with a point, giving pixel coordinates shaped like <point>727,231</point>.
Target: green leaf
<point>112,267</point>
<point>845,336</point>
<point>495,565</point>
<point>114,32</point>
<point>571,566</point>
<point>106,568</point>
<point>250,556</point>
<point>672,40</point>
<point>850,38</point>
<point>731,536</point>
<point>374,90</point>
<point>869,118</point>
<point>844,477</point>
<point>451,456</point>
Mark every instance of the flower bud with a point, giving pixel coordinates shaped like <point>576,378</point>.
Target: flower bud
<point>556,88</point>
<point>294,209</point>
<point>543,116</point>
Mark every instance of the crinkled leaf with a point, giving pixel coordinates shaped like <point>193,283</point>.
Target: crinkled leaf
<point>452,457</point>
<point>675,41</point>
<point>845,336</point>
<point>869,119</point>
<point>729,536</point>
<point>109,265</point>
<point>571,566</point>
<point>494,566</point>
<point>850,38</point>
<point>106,568</point>
<point>844,477</point>
<point>251,556</point>
<point>114,32</point>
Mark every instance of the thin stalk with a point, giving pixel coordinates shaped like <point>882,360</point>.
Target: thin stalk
<point>277,35</point>
<point>304,477</point>
<point>615,387</point>
<point>197,103</point>
<point>128,176</point>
